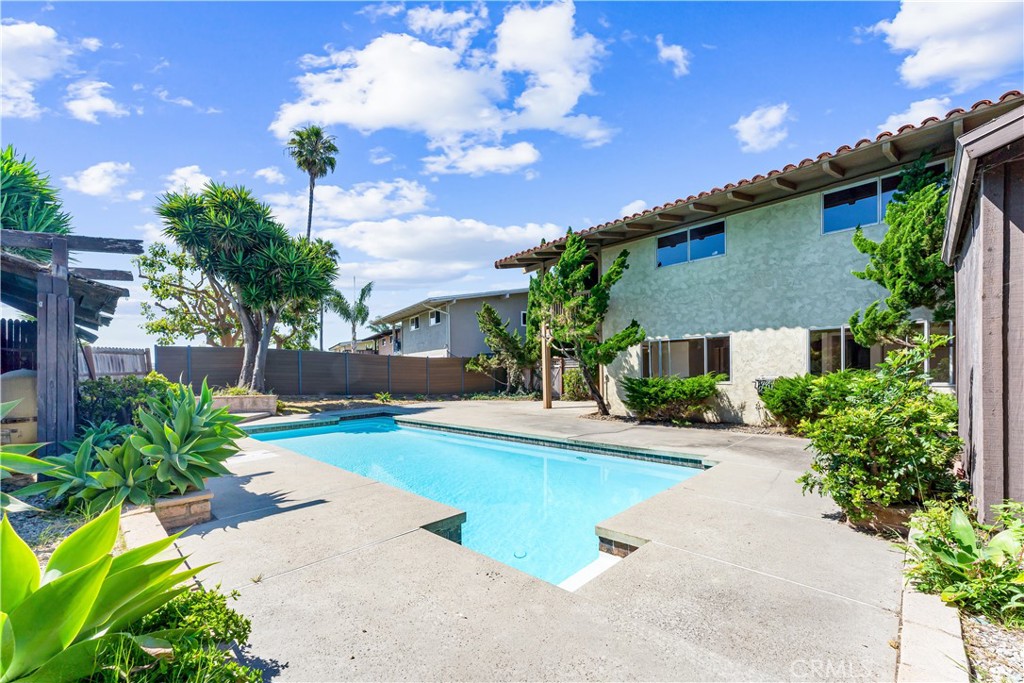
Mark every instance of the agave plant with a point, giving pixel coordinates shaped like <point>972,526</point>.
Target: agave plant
<point>123,474</point>
<point>67,474</point>
<point>186,437</point>
<point>18,459</point>
<point>54,623</point>
<point>105,434</point>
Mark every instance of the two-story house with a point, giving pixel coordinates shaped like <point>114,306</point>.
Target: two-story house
<point>446,326</point>
<point>753,280</point>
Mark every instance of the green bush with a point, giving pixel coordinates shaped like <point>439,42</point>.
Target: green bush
<point>671,398</point>
<point>574,387</point>
<point>107,398</point>
<point>832,390</point>
<point>788,400</point>
<point>55,622</point>
<point>383,397</point>
<point>205,622</point>
<point>235,391</point>
<point>106,434</point>
<point>977,567</point>
<point>892,441</point>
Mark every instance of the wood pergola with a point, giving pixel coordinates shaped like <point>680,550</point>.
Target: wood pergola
<point>68,304</point>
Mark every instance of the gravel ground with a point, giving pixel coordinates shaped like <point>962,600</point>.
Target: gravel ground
<point>43,530</point>
<point>996,653</point>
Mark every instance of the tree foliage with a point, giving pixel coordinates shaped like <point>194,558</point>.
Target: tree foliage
<point>574,313</point>
<point>907,262</point>
<point>355,312</point>
<point>314,152</point>
<point>510,353</point>
<point>28,201</point>
<point>248,258</point>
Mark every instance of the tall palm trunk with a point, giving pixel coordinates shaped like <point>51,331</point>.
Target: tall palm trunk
<point>309,215</point>
<point>353,335</point>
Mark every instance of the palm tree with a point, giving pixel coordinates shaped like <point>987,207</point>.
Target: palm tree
<point>356,313</point>
<point>314,152</point>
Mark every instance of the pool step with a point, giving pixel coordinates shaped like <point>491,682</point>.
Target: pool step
<point>603,563</point>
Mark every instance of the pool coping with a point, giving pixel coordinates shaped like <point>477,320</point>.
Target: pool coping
<point>639,454</point>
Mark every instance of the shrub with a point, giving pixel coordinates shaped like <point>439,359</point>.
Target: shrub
<point>383,396</point>
<point>574,387</point>
<point>977,567</point>
<point>55,623</point>
<point>893,442</point>
<point>235,391</point>
<point>106,434</point>
<point>671,397</point>
<point>788,400</point>
<point>205,622</point>
<point>117,399</point>
<point>832,390</point>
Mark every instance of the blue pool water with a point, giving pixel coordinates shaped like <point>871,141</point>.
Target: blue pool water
<point>531,507</point>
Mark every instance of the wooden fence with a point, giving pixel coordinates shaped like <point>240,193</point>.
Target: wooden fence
<point>324,372</point>
<point>96,361</point>
<point>17,344</point>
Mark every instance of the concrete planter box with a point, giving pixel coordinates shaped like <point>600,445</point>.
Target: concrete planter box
<point>189,509</point>
<point>893,518</point>
<point>260,403</point>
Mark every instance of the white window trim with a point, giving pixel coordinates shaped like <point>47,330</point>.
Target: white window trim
<point>879,214</point>
<point>687,229</point>
<point>522,318</point>
<point>667,340</point>
<point>414,322</point>
<point>843,329</point>
<point>430,318</point>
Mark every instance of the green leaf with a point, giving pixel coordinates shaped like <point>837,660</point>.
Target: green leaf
<point>120,589</point>
<point>6,642</point>
<point>78,661</point>
<point>24,464</point>
<point>962,530</point>
<point>49,619</point>
<point>137,556</point>
<point>91,541</point>
<point>19,568</point>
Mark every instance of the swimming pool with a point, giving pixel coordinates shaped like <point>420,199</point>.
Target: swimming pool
<point>531,507</point>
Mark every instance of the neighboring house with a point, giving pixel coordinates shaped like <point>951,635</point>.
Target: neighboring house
<point>446,326</point>
<point>753,279</point>
<point>381,344</point>
<point>985,244</point>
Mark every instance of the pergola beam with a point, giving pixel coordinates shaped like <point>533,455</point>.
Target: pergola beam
<point>101,274</point>
<point>21,239</point>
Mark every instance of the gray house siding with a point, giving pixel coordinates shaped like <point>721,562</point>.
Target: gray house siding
<point>427,340</point>
<point>458,334</point>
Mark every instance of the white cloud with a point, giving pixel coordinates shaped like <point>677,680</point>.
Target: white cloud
<point>676,55</point>
<point>382,9</point>
<point>100,180</point>
<point>458,98</point>
<point>151,232</point>
<point>916,113</point>
<point>379,155</point>
<point>272,175</point>
<point>86,99</point>
<point>164,96</point>
<point>91,44</point>
<point>763,129</point>
<point>189,178</point>
<point>635,206</point>
<point>334,206</point>
<point>427,250</point>
<point>480,159</point>
<point>964,44</point>
<point>160,66</point>
<point>31,54</point>
<point>134,195</point>
<point>458,27</point>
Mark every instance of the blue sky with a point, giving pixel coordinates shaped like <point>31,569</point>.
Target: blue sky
<point>467,131</point>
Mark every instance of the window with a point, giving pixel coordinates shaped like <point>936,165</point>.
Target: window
<point>686,357</point>
<point>835,349</point>
<point>862,204</point>
<point>697,243</point>
<point>435,317</point>
<point>522,318</point>
<point>414,323</point>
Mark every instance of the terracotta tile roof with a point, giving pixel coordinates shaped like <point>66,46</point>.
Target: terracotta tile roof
<point>844,149</point>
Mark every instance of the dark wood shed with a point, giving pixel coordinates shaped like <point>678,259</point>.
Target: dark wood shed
<point>984,242</point>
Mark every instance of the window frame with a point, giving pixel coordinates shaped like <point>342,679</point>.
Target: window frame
<point>687,229</point>
<point>522,318</point>
<point>693,337</point>
<point>431,318</point>
<point>879,209</point>
<point>845,329</point>
<point>414,323</point>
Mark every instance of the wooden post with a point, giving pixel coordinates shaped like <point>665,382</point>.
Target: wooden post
<point>56,346</point>
<point>545,365</point>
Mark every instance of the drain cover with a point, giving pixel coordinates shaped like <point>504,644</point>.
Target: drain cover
<point>520,554</point>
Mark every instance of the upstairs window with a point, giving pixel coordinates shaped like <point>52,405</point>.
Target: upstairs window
<point>522,318</point>
<point>435,317</point>
<point>693,244</point>
<point>414,323</point>
<point>862,204</point>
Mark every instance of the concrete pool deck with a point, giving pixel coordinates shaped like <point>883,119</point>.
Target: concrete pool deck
<point>741,577</point>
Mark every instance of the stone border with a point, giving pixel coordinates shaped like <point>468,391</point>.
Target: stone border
<point>931,640</point>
